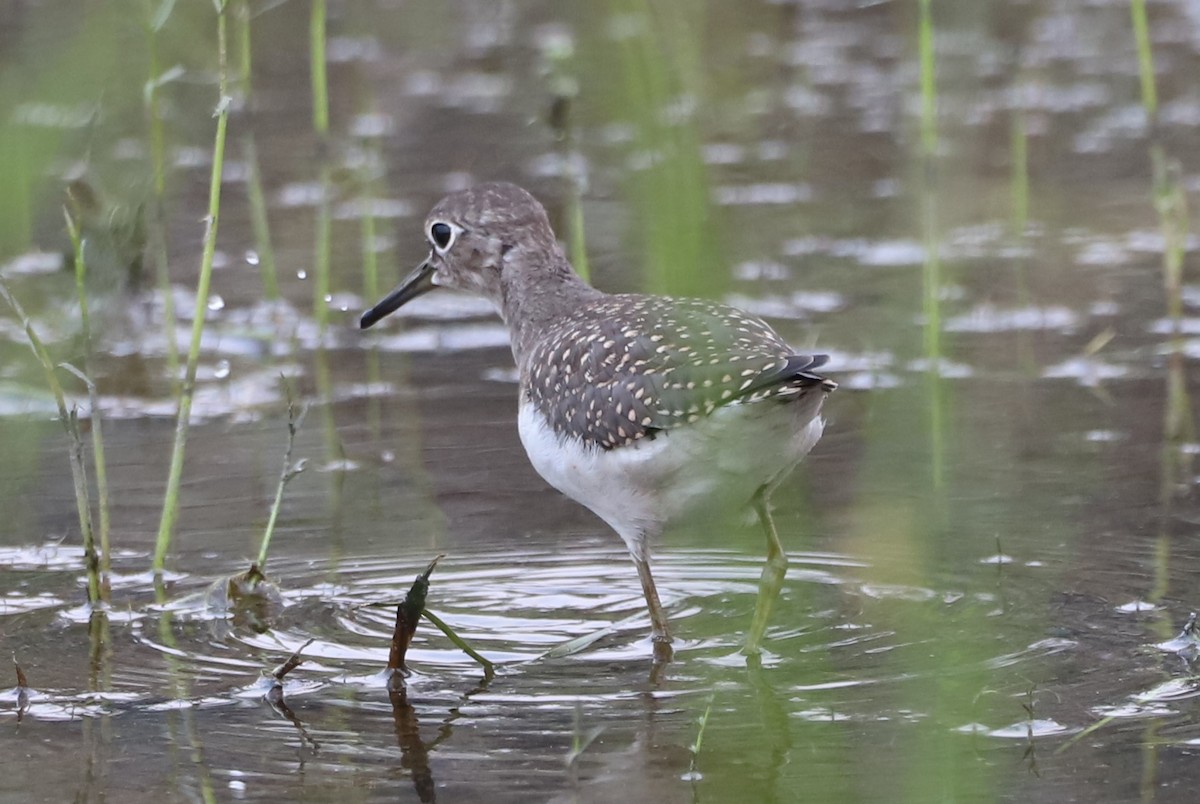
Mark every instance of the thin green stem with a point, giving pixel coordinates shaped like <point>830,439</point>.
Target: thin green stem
<point>71,426</point>
<point>931,273</point>
<point>565,88</point>
<point>695,747</point>
<point>171,499</point>
<point>1141,34</point>
<point>1019,191</point>
<point>320,100</point>
<point>928,78</point>
<point>98,461</point>
<point>1019,141</point>
<point>324,223</point>
<point>1170,201</point>
<point>320,90</point>
<point>932,336</point>
<point>285,476</point>
<point>158,227</point>
<point>461,643</point>
<point>260,222</point>
<point>321,251</point>
<point>575,231</point>
<point>245,47</point>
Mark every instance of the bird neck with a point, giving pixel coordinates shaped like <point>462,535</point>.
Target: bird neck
<point>533,299</point>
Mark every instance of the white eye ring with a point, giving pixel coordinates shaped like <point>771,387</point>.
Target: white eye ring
<point>442,236</point>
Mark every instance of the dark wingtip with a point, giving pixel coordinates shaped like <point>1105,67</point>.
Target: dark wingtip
<point>806,373</point>
<point>797,370</point>
<point>815,361</point>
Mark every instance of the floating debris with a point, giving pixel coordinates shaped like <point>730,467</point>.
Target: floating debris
<point>1187,644</point>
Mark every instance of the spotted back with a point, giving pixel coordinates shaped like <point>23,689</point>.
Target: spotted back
<point>626,367</point>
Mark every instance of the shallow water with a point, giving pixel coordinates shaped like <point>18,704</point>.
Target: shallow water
<point>992,549</point>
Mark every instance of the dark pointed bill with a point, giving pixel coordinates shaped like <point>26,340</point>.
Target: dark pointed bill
<point>419,282</point>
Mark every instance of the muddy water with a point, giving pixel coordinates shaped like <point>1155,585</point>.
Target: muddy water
<point>991,549</point>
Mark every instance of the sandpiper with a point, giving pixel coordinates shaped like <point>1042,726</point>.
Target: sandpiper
<point>649,410</point>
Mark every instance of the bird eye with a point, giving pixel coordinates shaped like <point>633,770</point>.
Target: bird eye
<point>441,234</point>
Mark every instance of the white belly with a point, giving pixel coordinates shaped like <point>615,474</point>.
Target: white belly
<point>719,462</point>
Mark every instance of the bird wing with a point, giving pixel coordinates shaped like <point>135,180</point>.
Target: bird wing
<point>627,367</point>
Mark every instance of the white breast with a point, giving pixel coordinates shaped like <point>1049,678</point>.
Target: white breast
<point>718,462</point>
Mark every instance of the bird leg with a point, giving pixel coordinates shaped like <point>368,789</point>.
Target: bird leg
<point>660,633</point>
<point>772,575</point>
